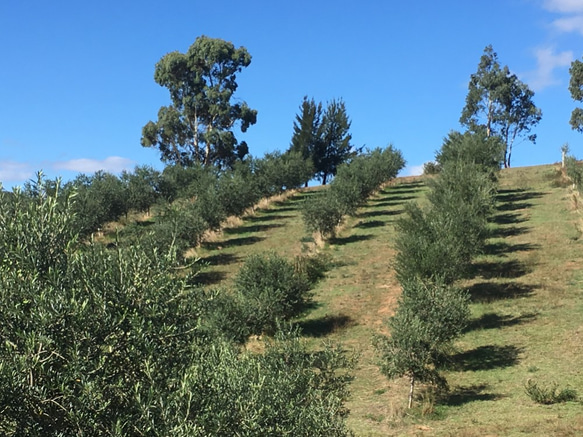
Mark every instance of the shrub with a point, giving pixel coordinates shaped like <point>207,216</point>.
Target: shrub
<point>429,317</point>
<point>271,290</point>
<point>111,343</point>
<point>549,395</point>
<point>322,213</point>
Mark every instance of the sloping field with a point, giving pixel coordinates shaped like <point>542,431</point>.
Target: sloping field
<point>527,308</point>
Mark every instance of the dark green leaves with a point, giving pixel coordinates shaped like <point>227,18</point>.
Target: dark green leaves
<point>197,127</point>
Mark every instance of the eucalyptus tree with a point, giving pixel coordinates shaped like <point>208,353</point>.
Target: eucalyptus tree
<point>197,127</point>
<point>576,90</point>
<point>500,102</point>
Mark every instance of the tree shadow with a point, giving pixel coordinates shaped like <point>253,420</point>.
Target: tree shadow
<point>325,325</point>
<point>462,395</point>
<point>513,206</point>
<point>501,248</point>
<point>252,228</point>
<point>485,358</point>
<point>390,200</point>
<point>500,269</point>
<point>209,277</point>
<point>511,231</point>
<point>220,259</point>
<point>508,219</point>
<point>379,213</point>
<point>340,241</point>
<point>233,242</point>
<point>370,224</point>
<point>485,292</point>
<point>267,215</point>
<point>517,195</point>
<point>497,321</point>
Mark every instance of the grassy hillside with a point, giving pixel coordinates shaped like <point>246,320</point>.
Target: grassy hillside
<point>527,303</point>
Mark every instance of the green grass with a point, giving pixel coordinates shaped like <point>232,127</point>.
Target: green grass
<point>527,302</point>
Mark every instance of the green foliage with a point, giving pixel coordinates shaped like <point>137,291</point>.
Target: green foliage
<point>429,317</point>
<point>284,391</point>
<point>354,182</point>
<point>322,137</point>
<point>333,147</point>
<point>431,168</point>
<point>98,199</point>
<point>472,148</point>
<point>142,187</point>
<point>322,213</point>
<point>576,90</point>
<point>306,130</point>
<point>500,103</point>
<point>442,240</point>
<point>574,171</point>
<point>112,343</point>
<point>549,395</point>
<point>271,290</point>
<point>197,126</point>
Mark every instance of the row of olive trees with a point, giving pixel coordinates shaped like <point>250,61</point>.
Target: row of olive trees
<point>354,183</point>
<point>111,342</point>
<point>435,247</point>
<point>189,200</point>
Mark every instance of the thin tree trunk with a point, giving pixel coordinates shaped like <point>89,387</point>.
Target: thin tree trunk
<point>411,388</point>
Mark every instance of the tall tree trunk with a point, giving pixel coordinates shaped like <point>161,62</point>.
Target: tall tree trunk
<point>324,177</point>
<point>411,388</point>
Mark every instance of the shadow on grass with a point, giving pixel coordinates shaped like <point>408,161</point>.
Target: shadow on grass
<point>266,216</point>
<point>500,269</point>
<point>220,259</point>
<point>209,277</point>
<point>339,241</point>
<point>500,248</point>
<point>325,325</point>
<point>484,292</point>
<point>379,213</point>
<point>508,219</point>
<point>485,358</point>
<point>233,242</point>
<point>390,200</point>
<point>252,228</point>
<point>370,224</point>
<point>517,195</point>
<point>511,231</point>
<point>497,321</point>
<point>511,206</point>
<point>462,395</point>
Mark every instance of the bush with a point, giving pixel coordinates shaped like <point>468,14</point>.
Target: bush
<point>104,342</point>
<point>549,395</point>
<point>429,317</point>
<point>322,213</point>
<point>270,291</point>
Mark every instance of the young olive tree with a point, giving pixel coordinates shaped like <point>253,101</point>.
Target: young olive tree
<point>429,317</point>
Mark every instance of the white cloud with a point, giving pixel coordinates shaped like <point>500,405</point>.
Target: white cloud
<point>11,171</point>
<point>412,170</point>
<point>569,24</point>
<point>114,164</point>
<point>547,61</point>
<point>565,6</point>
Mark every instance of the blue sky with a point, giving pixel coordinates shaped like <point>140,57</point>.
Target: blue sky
<point>76,83</point>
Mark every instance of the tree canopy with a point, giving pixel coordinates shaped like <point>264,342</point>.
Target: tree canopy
<point>323,136</point>
<point>576,90</point>
<point>500,102</point>
<point>198,125</point>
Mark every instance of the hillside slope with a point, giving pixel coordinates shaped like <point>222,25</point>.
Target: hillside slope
<point>526,307</point>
